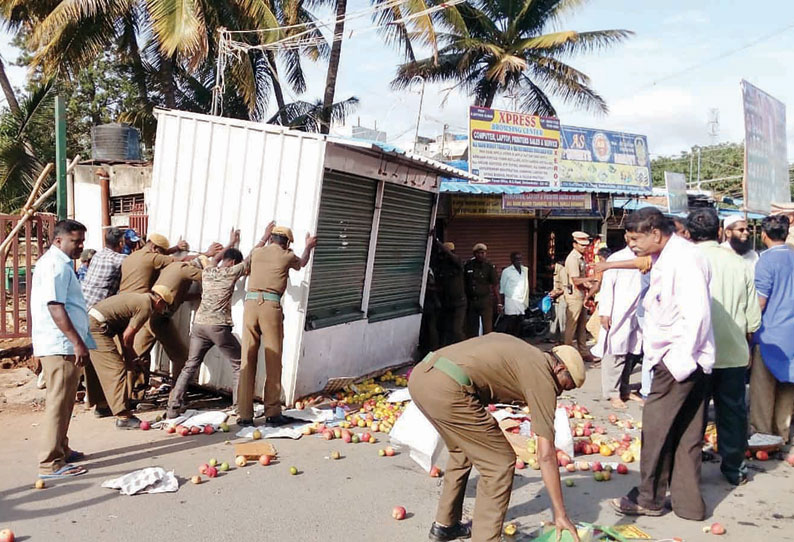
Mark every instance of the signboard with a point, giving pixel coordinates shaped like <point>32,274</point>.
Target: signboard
<point>490,205</point>
<point>766,178</point>
<point>677,201</point>
<point>558,203</point>
<point>601,159</point>
<point>514,148</point>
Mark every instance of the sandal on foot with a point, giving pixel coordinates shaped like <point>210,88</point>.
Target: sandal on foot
<point>627,507</point>
<point>67,471</point>
<point>74,456</point>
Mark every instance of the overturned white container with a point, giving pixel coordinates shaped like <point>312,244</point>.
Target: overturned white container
<point>356,307</point>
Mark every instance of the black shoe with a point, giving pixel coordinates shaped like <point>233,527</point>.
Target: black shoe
<point>281,419</point>
<point>443,534</point>
<point>102,412</point>
<point>242,422</point>
<point>739,480</point>
<point>128,423</point>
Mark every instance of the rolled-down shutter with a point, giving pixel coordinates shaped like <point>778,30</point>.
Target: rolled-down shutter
<point>347,205</point>
<point>400,252</point>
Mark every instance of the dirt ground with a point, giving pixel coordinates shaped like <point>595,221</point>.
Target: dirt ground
<point>350,499</point>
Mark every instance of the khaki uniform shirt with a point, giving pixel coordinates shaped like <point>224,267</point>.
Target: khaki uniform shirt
<point>504,369</point>
<point>140,269</point>
<point>217,287</point>
<point>480,278</point>
<point>270,267</point>
<point>177,277</point>
<point>123,310</point>
<point>575,268</point>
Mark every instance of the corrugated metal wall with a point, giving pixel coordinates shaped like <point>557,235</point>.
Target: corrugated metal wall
<point>501,235</point>
<point>212,174</point>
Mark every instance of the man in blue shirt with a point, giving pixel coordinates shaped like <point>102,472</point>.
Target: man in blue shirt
<point>59,330</point>
<point>772,378</point>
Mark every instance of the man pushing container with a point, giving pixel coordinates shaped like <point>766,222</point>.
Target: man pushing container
<point>453,388</point>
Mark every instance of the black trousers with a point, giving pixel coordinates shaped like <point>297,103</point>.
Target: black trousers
<point>672,437</point>
<point>453,320</point>
<point>479,308</point>
<point>727,388</point>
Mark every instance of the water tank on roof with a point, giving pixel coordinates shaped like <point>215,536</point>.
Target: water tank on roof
<point>115,142</point>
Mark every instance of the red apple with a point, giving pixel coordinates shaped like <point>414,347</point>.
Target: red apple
<point>264,460</point>
<point>717,528</point>
<point>365,437</point>
<point>184,431</point>
<point>195,430</point>
<point>170,429</point>
<point>212,472</point>
<point>790,459</point>
<point>597,466</point>
<point>389,451</point>
<point>570,467</point>
<point>492,408</point>
<point>613,418</point>
<point>587,432</point>
<point>520,464</point>
<point>347,437</point>
<point>622,469</point>
<point>145,426</point>
<point>7,535</point>
<point>203,468</point>
<point>761,455</point>
<point>328,435</point>
<point>435,472</point>
<point>208,430</point>
<point>398,513</point>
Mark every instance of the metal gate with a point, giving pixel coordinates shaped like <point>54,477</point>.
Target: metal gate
<point>17,268</point>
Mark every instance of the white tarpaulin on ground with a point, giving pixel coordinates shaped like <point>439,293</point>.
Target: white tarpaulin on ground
<point>148,480</point>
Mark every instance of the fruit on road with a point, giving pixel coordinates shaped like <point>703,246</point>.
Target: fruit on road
<point>195,430</point>
<point>790,459</point>
<point>224,467</point>
<point>196,479</point>
<point>213,462</point>
<point>224,427</point>
<point>435,472</point>
<point>240,461</point>
<point>606,475</point>
<point>761,455</point>
<point>569,483</point>
<point>355,439</point>
<point>382,452</point>
<point>605,450</point>
<point>212,472</point>
<point>520,465</point>
<point>39,484</point>
<point>596,467</point>
<point>208,430</point>
<point>336,455</point>
<point>627,457</point>
<point>293,470</point>
<point>257,434</point>
<point>184,431</point>
<point>203,468</point>
<point>6,535</point>
<point>717,528</point>
<point>389,451</point>
<point>570,467</point>
<point>145,426</point>
<point>622,469</point>
<point>598,476</point>
<point>510,529</point>
<point>264,460</point>
<point>170,429</point>
<point>398,513</point>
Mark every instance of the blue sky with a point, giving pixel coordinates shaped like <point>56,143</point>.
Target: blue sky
<point>640,79</point>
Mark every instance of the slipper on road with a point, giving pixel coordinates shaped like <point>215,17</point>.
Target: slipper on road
<point>74,456</point>
<point>67,471</point>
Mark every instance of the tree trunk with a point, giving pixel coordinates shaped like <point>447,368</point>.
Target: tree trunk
<point>333,67</point>
<point>8,90</point>
<point>138,73</point>
<point>491,95</point>
<point>271,59</point>
<point>169,86</point>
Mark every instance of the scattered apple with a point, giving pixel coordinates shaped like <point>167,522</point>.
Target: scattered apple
<point>398,513</point>
<point>605,450</point>
<point>224,467</point>
<point>337,433</point>
<point>597,466</point>
<point>606,475</point>
<point>39,484</point>
<point>209,430</point>
<point>213,462</point>
<point>195,430</point>
<point>717,528</point>
<point>622,469</point>
<point>336,455</point>
<point>293,470</point>
<point>510,529</point>
<point>184,431</point>
<point>7,535</point>
<point>366,437</point>
<point>257,434</point>
<point>355,439</point>
<point>520,465</point>
<point>240,461</point>
<point>627,457</point>
<point>570,467</point>
<point>170,429</point>
<point>264,460</point>
<point>389,451</point>
<point>224,427</point>
<point>145,426</point>
<point>569,482</point>
<point>761,455</point>
<point>196,479</point>
<point>382,452</point>
<point>598,476</point>
<point>790,459</point>
<point>435,472</point>
<point>203,468</point>
<point>613,419</point>
<point>212,472</point>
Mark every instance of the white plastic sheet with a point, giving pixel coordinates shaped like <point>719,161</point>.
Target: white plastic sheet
<point>272,432</point>
<point>563,439</point>
<point>417,433</point>
<point>148,480</point>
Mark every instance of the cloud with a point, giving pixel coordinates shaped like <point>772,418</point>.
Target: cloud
<point>690,16</point>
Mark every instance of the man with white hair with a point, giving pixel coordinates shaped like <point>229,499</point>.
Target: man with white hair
<point>737,238</point>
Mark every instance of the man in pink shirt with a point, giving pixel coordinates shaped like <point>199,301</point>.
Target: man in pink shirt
<point>679,347</point>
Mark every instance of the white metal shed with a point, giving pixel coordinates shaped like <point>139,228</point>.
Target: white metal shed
<point>356,307</point>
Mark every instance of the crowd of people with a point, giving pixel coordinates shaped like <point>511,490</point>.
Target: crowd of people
<point>103,323</point>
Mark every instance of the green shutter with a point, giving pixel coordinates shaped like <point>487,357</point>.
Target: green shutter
<point>347,204</point>
<point>400,254</point>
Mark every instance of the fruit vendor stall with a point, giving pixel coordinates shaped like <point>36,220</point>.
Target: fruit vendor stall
<point>356,308</point>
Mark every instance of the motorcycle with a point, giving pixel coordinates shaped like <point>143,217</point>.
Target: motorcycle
<point>538,316</point>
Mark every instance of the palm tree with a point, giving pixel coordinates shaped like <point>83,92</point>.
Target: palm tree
<point>492,47</point>
<point>306,116</point>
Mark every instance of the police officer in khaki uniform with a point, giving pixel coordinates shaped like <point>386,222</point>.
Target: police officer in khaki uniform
<point>482,287</point>
<point>575,293</point>
<point>453,388</point>
<point>263,321</point>
<point>114,322</point>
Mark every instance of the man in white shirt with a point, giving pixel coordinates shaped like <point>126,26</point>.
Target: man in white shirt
<point>737,238</point>
<point>622,341</point>
<point>59,331</point>
<point>514,288</point>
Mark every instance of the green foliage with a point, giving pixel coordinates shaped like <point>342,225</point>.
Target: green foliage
<point>716,162</point>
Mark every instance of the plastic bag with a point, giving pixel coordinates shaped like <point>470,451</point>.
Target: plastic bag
<point>417,433</point>
<point>563,438</point>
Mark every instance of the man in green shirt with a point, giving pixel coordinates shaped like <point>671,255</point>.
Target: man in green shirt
<point>735,314</point>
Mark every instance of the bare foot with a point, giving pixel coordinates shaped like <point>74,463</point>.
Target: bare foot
<point>636,397</point>
<point>618,404</point>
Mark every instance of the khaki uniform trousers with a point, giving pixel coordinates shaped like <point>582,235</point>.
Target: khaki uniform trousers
<point>163,330</point>
<point>62,377</point>
<point>472,437</point>
<point>576,324</point>
<point>107,376</point>
<point>771,402</point>
<point>263,322</point>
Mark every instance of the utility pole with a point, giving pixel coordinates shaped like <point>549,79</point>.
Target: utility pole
<point>444,140</point>
<point>419,114</point>
<point>60,156</point>
<point>698,168</point>
<point>691,164</point>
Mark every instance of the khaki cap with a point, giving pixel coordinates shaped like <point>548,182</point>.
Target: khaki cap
<point>480,246</point>
<point>449,245</point>
<point>159,240</point>
<point>581,237</point>
<point>283,231</point>
<point>573,362</point>
<point>164,292</point>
